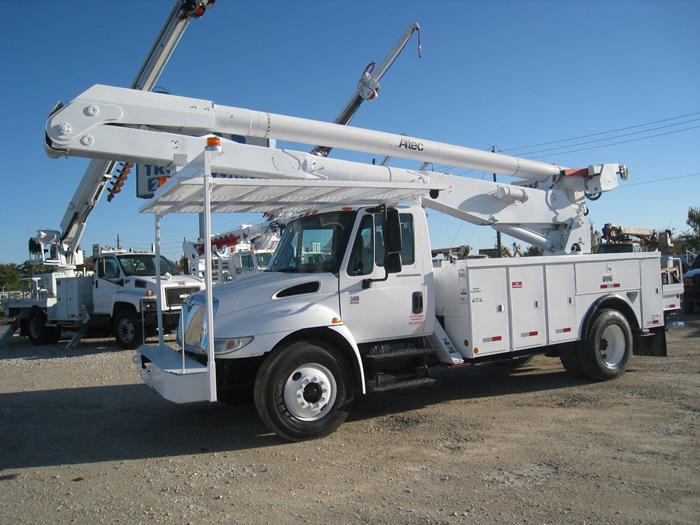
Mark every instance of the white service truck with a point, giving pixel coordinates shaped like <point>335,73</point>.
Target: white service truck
<point>119,296</point>
<point>352,302</point>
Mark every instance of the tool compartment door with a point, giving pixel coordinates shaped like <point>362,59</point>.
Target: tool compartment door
<point>488,311</point>
<point>527,310</point>
<point>562,319</point>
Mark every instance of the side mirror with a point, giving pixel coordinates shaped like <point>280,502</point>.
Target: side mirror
<point>391,231</point>
<point>392,262</point>
<point>391,238</point>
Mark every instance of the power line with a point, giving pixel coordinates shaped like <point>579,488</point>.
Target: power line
<point>621,142</point>
<point>627,185</point>
<point>617,137</point>
<point>445,169</point>
<point>604,132</point>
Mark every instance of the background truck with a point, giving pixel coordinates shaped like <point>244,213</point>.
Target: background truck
<point>62,299</point>
<point>623,239</point>
<point>351,301</point>
<point>691,287</point>
<point>119,296</point>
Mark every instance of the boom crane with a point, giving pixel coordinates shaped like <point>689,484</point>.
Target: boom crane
<point>368,87</point>
<point>63,245</point>
<point>546,207</point>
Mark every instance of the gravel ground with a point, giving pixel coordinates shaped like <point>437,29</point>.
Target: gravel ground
<point>83,440</point>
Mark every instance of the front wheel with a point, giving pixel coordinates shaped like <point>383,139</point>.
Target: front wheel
<point>127,329</point>
<point>607,349</point>
<point>304,390</point>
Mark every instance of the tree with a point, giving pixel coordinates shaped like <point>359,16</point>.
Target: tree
<point>9,277</point>
<point>694,220</point>
<point>533,251</point>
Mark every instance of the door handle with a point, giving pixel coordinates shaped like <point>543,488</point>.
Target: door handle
<point>417,302</point>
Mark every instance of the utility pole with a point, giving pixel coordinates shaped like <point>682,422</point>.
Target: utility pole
<point>499,246</point>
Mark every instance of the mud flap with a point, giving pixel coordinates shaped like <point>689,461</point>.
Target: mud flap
<point>652,343</point>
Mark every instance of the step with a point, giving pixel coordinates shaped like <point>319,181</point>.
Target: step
<point>404,352</point>
<point>410,383</point>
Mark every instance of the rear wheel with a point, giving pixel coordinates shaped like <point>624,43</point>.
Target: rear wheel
<point>37,331</point>
<point>607,349</point>
<point>127,329</point>
<point>304,390</point>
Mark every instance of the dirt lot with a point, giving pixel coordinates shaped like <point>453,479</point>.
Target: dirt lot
<point>82,440</point>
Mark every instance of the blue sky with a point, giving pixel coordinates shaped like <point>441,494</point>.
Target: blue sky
<point>509,74</point>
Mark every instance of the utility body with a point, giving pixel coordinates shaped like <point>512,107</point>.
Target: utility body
<point>352,301</point>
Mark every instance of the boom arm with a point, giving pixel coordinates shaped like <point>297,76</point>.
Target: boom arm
<point>99,172</point>
<point>368,87</point>
<point>148,127</point>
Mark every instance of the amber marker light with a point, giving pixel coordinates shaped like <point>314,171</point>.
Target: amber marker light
<point>213,144</point>
<point>336,320</point>
<point>149,293</point>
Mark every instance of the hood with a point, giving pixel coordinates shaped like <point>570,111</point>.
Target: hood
<point>265,287</point>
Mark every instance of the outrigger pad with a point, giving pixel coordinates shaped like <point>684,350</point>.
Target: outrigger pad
<point>652,344</point>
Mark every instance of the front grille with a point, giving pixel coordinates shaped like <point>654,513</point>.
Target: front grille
<point>175,295</point>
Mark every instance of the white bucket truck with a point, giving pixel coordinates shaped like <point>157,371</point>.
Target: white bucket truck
<point>352,302</point>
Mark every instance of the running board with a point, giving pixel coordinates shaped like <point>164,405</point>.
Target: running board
<point>176,379</point>
<point>411,383</point>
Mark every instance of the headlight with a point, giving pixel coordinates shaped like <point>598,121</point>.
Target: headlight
<point>227,346</point>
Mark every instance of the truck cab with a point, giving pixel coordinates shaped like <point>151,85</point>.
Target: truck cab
<point>125,291</point>
<point>691,287</point>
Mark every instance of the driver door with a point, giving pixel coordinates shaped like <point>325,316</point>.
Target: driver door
<point>388,309</point>
<point>106,284</point>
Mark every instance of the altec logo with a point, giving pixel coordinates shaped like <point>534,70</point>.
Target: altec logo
<point>411,144</point>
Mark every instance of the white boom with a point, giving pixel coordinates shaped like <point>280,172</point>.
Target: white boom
<point>137,126</point>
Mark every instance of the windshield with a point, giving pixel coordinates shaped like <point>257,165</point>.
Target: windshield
<point>314,243</point>
<point>263,259</point>
<point>144,264</point>
<point>696,263</point>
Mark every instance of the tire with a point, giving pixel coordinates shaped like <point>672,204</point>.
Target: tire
<point>688,306</point>
<point>37,331</point>
<point>127,329</point>
<point>304,390</point>
<point>607,349</point>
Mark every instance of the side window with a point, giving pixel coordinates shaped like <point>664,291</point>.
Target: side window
<point>362,249</point>
<point>408,255</point>
<point>107,268</point>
